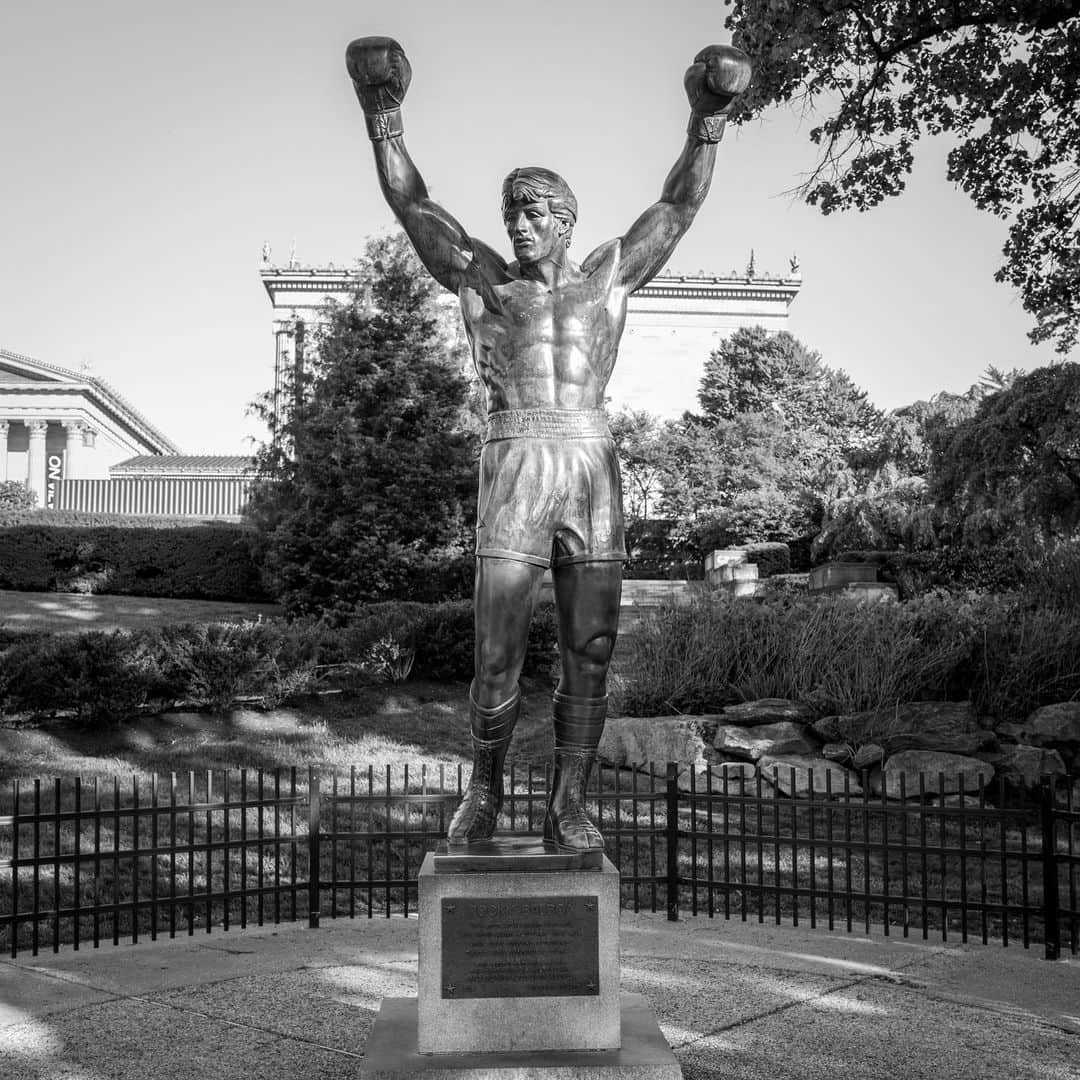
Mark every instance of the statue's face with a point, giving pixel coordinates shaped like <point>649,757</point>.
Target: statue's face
<point>534,231</point>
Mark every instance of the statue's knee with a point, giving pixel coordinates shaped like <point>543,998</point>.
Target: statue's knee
<point>597,650</point>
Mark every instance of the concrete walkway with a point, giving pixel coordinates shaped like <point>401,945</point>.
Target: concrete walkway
<point>734,1000</point>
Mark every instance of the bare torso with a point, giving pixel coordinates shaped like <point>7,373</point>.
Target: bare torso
<point>536,346</point>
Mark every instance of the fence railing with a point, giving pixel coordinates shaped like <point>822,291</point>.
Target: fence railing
<point>82,863</point>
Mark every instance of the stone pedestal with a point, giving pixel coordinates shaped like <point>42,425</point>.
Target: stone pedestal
<point>519,975</point>
<point>391,1054</point>
<point>519,958</point>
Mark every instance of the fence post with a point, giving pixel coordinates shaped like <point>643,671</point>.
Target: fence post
<point>672,832</point>
<point>1051,899</point>
<point>313,848</point>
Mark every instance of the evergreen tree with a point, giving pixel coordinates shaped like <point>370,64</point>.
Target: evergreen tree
<point>367,486</point>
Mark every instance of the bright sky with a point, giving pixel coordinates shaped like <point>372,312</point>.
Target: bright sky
<point>151,148</point>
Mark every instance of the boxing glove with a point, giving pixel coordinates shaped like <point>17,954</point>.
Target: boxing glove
<point>718,75</point>
<point>380,74</point>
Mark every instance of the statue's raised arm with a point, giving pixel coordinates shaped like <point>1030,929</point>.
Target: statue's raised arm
<point>719,74</point>
<point>381,74</point>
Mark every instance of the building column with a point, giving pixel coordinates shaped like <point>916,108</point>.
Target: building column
<point>4,425</point>
<point>35,464</point>
<point>73,429</point>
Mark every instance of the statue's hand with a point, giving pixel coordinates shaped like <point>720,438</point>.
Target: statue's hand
<point>380,73</point>
<point>718,75</point>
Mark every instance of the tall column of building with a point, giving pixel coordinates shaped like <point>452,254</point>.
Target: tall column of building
<point>73,429</point>
<point>35,465</point>
<point>3,449</point>
<point>283,334</point>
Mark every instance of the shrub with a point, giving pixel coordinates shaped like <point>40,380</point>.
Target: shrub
<point>769,557</point>
<point>831,654</point>
<point>98,677</point>
<point>15,498</point>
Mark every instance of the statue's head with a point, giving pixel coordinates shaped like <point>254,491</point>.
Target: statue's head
<point>532,184</point>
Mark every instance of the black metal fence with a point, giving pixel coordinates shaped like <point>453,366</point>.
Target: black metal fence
<point>82,863</point>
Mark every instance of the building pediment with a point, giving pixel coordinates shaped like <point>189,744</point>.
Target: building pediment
<point>26,383</point>
<point>16,369</point>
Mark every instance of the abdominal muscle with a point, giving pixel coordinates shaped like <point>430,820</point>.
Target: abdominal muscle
<point>528,358</point>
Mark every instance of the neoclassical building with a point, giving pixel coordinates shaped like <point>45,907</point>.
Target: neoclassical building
<point>58,425</point>
<point>672,324</point>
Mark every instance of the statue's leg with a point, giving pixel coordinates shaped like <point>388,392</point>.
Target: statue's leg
<point>587,596</point>
<point>504,596</point>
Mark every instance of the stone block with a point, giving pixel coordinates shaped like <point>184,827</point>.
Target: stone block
<point>391,1052</point>
<point>937,723</point>
<point>741,572</point>
<point>654,740</point>
<point>1025,766</point>
<point>1054,725</point>
<point>545,947</point>
<point>910,764</point>
<point>785,737</point>
<point>725,557</point>
<point>837,575</point>
<point>791,775</point>
<point>767,711</point>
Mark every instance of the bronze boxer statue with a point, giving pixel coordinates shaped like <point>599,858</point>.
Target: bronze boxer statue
<point>544,333</point>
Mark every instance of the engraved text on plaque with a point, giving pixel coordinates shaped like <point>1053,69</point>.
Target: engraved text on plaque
<point>546,946</point>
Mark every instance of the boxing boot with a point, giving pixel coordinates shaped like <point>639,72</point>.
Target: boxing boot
<point>579,723</point>
<point>491,732</point>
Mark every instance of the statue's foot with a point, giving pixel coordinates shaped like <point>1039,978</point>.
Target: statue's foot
<point>571,829</point>
<point>476,816</point>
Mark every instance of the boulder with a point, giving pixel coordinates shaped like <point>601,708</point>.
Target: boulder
<point>734,778</point>
<point>767,711</point>
<point>1025,766</point>
<point>868,756</point>
<point>791,775</point>
<point>786,737</point>
<point>1054,725</point>
<point>909,764</point>
<point>1008,732</point>
<point>949,726</point>
<point>840,752</point>
<point>650,742</point>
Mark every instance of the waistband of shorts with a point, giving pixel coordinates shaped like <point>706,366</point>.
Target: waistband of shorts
<point>547,424</point>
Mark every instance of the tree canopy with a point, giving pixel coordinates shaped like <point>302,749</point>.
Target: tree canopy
<point>776,431</point>
<point>369,492</point>
<point>1014,466</point>
<point>1002,78</point>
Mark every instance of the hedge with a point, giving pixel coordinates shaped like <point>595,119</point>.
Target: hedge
<point>151,558</point>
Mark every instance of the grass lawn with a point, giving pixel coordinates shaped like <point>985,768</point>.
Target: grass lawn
<point>416,722</point>
<point>77,611</point>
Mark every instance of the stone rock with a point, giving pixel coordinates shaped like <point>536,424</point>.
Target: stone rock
<point>949,726</point>
<point>909,764</point>
<point>650,742</point>
<point>1025,766</point>
<point>1054,725</point>
<point>767,711</point>
<point>870,592</point>
<point>734,778</point>
<point>868,756</point>
<point>1011,733</point>
<point>778,771</point>
<point>840,752</point>
<point>786,737</point>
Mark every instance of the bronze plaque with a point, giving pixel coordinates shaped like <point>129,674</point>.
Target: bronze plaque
<point>522,946</point>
